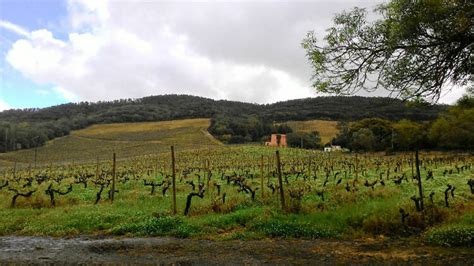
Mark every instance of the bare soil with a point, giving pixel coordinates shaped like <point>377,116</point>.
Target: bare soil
<point>163,250</point>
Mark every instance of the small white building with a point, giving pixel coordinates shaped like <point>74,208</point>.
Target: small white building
<point>332,148</point>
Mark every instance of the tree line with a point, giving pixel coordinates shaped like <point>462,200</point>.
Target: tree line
<point>451,130</point>
<point>231,121</point>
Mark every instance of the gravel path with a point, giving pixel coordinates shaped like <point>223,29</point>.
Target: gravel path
<point>84,250</point>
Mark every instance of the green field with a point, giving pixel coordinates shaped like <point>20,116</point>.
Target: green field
<point>336,195</point>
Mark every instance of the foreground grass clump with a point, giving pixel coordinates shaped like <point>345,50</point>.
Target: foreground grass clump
<point>226,222</point>
<point>158,226</point>
<point>293,229</point>
<point>452,236</point>
<point>65,221</point>
<point>459,232</point>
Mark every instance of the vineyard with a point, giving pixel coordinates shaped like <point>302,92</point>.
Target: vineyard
<point>126,139</point>
<point>239,192</point>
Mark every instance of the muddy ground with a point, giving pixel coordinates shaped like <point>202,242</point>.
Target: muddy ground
<point>87,250</point>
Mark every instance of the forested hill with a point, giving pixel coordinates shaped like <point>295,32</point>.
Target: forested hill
<point>21,126</point>
<point>350,109</point>
<point>168,107</point>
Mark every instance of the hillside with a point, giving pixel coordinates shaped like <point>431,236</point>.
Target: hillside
<point>169,107</point>
<point>33,127</point>
<point>126,139</point>
<point>327,129</point>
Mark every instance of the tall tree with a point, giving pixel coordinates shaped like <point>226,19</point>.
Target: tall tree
<point>455,128</point>
<point>408,135</point>
<point>415,50</point>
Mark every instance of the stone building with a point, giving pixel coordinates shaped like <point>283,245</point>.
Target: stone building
<point>277,140</point>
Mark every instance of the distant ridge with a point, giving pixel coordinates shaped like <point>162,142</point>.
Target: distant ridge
<point>26,128</point>
<point>170,107</point>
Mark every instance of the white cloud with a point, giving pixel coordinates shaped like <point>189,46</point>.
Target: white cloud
<point>452,94</point>
<point>4,105</point>
<point>247,51</point>
<point>14,28</point>
<point>120,49</point>
<point>65,94</point>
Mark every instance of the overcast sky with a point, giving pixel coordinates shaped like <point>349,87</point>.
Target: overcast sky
<point>59,51</point>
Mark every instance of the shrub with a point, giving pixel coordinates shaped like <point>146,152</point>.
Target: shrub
<point>172,226</point>
<point>309,140</point>
<point>237,139</point>
<point>452,236</point>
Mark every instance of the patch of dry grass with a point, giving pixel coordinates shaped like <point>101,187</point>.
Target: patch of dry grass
<point>326,129</point>
<point>126,139</point>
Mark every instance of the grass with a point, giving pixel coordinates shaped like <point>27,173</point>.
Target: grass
<point>343,214</point>
<point>161,132</point>
<point>135,212</point>
<point>327,129</point>
<point>457,232</point>
<point>127,140</point>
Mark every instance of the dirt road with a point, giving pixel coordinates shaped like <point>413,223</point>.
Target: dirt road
<point>84,250</point>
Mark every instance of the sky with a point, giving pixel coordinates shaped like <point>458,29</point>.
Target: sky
<point>58,51</point>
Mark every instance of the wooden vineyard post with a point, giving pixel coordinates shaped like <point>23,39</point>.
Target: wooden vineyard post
<point>388,170</point>
<point>165,167</point>
<point>309,166</point>
<point>209,174</point>
<point>356,168</point>
<point>97,169</point>
<point>280,182</point>
<point>160,166</point>
<point>36,155</point>
<point>418,176</point>
<point>50,169</point>
<point>173,167</point>
<point>113,178</point>
<point>261,176</point>
<point>14,170</point>
<point>401,166</point>
<point>268,170</point>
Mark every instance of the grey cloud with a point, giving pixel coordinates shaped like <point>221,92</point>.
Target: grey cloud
<point>247,51</point>
<point>267,33</point>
